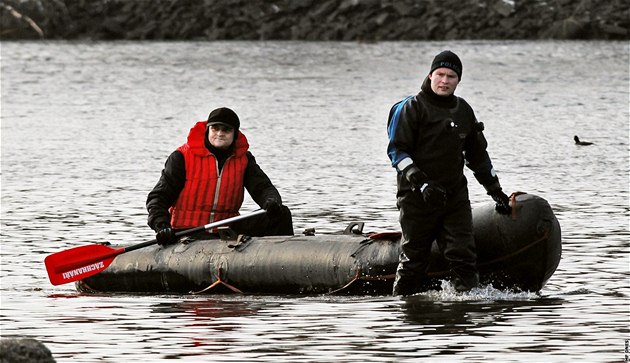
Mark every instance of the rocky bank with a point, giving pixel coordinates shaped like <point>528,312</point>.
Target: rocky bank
<point>349,20</point>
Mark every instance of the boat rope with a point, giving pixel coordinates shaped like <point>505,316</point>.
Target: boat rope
<point>517,252</point>
<point>356,277</point>
<point>359,276</point>
<point>83,286</point>
<point>219,281</point>
<point>498,259</point>
<point>513,199</point>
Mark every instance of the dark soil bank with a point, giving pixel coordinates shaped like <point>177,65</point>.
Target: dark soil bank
<point>363,20</point>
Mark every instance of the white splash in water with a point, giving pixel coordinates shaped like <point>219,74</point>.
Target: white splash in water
<point>481,293</point>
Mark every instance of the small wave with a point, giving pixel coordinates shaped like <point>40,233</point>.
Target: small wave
<point>580,291</point>
<point>481,293</point>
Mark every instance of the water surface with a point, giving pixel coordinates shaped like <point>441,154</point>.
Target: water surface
<point>86,128</point>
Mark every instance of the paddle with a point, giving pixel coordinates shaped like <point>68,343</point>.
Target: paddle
<point>80,262</point>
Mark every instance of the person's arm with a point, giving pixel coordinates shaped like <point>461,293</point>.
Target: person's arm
<point>400,130</point>
<point>258,184</point>
<point>478,160</point>
<point>167,190</point>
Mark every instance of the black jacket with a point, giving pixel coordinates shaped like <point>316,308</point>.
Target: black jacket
<point>173,178</point>
<point>440,135</point>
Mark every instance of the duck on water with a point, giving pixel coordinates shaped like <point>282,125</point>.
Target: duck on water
<point>581,143</point>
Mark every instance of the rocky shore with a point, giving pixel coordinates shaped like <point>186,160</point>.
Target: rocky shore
<point>348,20</point>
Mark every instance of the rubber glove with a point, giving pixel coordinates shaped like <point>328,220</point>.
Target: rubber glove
<point>432,193</point>
<point>165,234</point>
<point>272,207</point>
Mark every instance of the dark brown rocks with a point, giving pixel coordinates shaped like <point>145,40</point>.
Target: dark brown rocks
<point>361,20</point>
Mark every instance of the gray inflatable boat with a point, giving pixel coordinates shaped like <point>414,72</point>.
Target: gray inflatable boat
<point>519,251</point>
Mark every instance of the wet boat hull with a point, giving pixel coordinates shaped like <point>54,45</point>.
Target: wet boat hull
<point>519,252</point>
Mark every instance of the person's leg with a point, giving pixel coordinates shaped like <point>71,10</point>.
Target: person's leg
<point>457,243</point>
<point>418,224</point>
<point>262,225</point>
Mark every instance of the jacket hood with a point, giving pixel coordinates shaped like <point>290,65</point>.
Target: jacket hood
<point>197,136</point>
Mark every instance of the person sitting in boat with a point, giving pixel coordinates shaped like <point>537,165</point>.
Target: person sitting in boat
<point>431,136</point>
<point>203,181</point>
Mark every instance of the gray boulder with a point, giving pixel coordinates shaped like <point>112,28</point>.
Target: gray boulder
<point>24,350</point>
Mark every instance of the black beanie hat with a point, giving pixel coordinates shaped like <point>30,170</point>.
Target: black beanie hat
<point>447,59</point>
<point>224,116</point>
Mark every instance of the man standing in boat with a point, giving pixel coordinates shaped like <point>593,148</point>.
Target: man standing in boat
<point>431,136</point>
<point>203,181</point>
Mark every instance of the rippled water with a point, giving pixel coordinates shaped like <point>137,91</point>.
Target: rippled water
<point>86,128</point>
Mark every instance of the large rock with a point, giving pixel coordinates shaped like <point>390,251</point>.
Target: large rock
<point>24,350</point>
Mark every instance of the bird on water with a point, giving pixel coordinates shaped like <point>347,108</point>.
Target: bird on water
<point>583,143</point>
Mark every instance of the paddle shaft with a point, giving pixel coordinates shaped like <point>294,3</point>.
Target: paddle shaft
<point>206,227</point>
<point>80,262</point>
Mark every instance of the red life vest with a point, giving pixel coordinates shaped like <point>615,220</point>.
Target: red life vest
<point>208,195</point>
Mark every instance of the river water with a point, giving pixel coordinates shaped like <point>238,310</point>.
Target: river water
<point>86,128</point>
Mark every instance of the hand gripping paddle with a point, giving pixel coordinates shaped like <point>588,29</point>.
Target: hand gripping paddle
<point>80,262</point>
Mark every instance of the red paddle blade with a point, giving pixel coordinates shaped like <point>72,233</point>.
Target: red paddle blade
<point>79,262</point>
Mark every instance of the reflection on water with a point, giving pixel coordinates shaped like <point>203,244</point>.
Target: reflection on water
<point>86,128</point>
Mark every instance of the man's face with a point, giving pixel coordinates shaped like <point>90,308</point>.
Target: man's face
<point>220,136</point>
<point>444,81</point>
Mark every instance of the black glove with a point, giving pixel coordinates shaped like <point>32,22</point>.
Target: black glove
<point>165,234</point>
<point>502,200</point>
<point>272,207</point>
<point>415,176</point>
<point>432,193</point>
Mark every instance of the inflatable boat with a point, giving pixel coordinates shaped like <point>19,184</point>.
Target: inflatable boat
<point>519,251</point>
